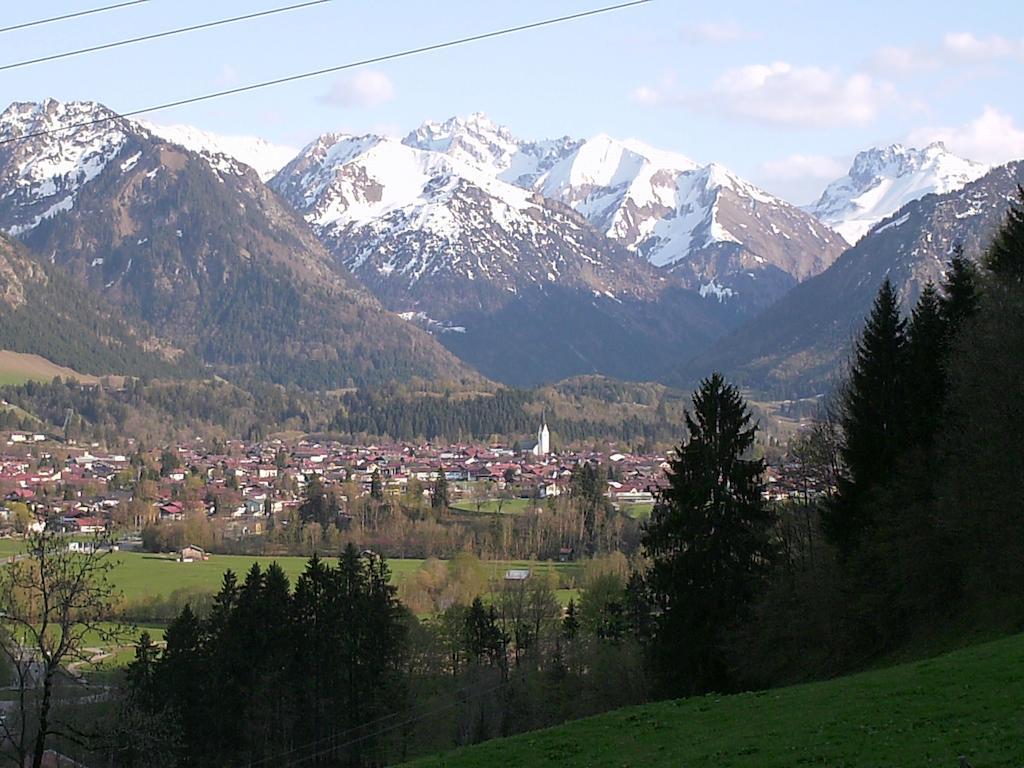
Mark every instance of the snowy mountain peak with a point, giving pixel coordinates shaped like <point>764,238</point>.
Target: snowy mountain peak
<point>884,179</point>
<point>478,141</point>
<point>260,155</point>
<point>43,173</point>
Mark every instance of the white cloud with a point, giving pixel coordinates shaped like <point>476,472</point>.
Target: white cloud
<point>966,47</point>
<point>955,49</point>
<point>804,96</point>
<point>894,61</point>
<point>714,33</point>
<point>780,93</point>
<point>804,167</point>
<point>992,137</point>
<point>366,88</point>
<point>800,178</point>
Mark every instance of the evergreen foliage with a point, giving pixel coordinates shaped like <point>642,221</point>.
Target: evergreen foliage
<point>709,540</point>
<point>873,417</point>
<point>1005,256</point>
<point>312,665</point>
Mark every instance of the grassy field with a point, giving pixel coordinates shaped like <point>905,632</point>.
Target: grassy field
<point>17,368</point>
<point>638,511</point>
<point>11,547</point>
<point>139,575</point>
<point>927,713</point>
<point>490,507</point>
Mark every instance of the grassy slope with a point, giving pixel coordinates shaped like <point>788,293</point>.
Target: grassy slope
<point>18,367</point>
<point>927,713</point>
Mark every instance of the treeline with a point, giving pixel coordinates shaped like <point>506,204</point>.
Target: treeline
<point>162,410</point>
<point>601,410</point>
<point>337,672</point>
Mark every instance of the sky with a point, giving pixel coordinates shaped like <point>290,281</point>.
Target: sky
<point>783,93</point>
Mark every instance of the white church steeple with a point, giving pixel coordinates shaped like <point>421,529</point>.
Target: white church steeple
<point>543,447</point>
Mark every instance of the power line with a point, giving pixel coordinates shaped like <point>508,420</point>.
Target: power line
<point>330,70</point>
<point>158,35</point>
<point>75,15</point>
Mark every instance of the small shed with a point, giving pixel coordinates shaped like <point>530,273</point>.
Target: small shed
<point>191,554</point>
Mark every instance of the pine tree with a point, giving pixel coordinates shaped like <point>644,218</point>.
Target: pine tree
<point>709,540</point>
<point>873,419</point>
<point>925,379</point>
<point>1005,256</point>
<point>960,294</point>
<point>439,496</point>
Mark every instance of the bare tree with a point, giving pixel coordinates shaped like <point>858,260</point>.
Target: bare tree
<point>54,605</point>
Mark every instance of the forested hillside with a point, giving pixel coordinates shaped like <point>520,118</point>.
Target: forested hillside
<point>44,312</point>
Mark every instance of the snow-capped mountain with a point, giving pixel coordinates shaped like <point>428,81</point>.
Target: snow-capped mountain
<point>409,220</point>
<point>260,155</point>
<point>439,236</point>
<point>197,248</point>
<point>884,179</point>
<point>721,234</point>
<point>41,175</point>
<point>801,343</point>
<point>477,141</point>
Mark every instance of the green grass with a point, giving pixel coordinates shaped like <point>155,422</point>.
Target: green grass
<point>638,511</point>
<point>490,507</point>
<point>10,547</point>
<point>139,575</point>
<point>10,378</point>
<point>927,713</point>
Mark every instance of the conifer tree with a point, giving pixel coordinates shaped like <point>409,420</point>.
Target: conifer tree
<point>709,541</point>
<point>439,496</point>
<point>925,379</point>
<point>873,419</point>
<point>1005,256</point>
<point>960,292</point>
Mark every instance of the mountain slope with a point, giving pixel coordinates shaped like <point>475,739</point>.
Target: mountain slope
<point>523,288</point>
<point>260,155</point>
<point>199,249</point>
<point>896,716</point>
<point>44,313</point>
<point>883,180</point>
<point>797,346</point>
<point>720,234</point>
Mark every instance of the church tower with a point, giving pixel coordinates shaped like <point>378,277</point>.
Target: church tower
<point>543,447</point>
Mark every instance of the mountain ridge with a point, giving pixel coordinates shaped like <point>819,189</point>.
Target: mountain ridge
<point>197,247</point>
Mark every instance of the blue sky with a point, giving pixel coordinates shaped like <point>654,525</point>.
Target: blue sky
<point>784,93</point>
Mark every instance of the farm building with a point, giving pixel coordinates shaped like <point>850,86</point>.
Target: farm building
<point>191,554</point>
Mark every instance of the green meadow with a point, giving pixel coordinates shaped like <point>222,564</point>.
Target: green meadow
<point>917,715</point>
<point>139,575</point>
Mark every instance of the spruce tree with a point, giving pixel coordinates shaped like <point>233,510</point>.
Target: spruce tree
<point>925,379</point>
<point>709,540</point>
<point>439,496</point>
<point>873,419</point>
<point>960,293</point>
<point>1005,256</point>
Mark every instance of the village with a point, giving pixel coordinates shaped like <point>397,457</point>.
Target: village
<point>50,485</point>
